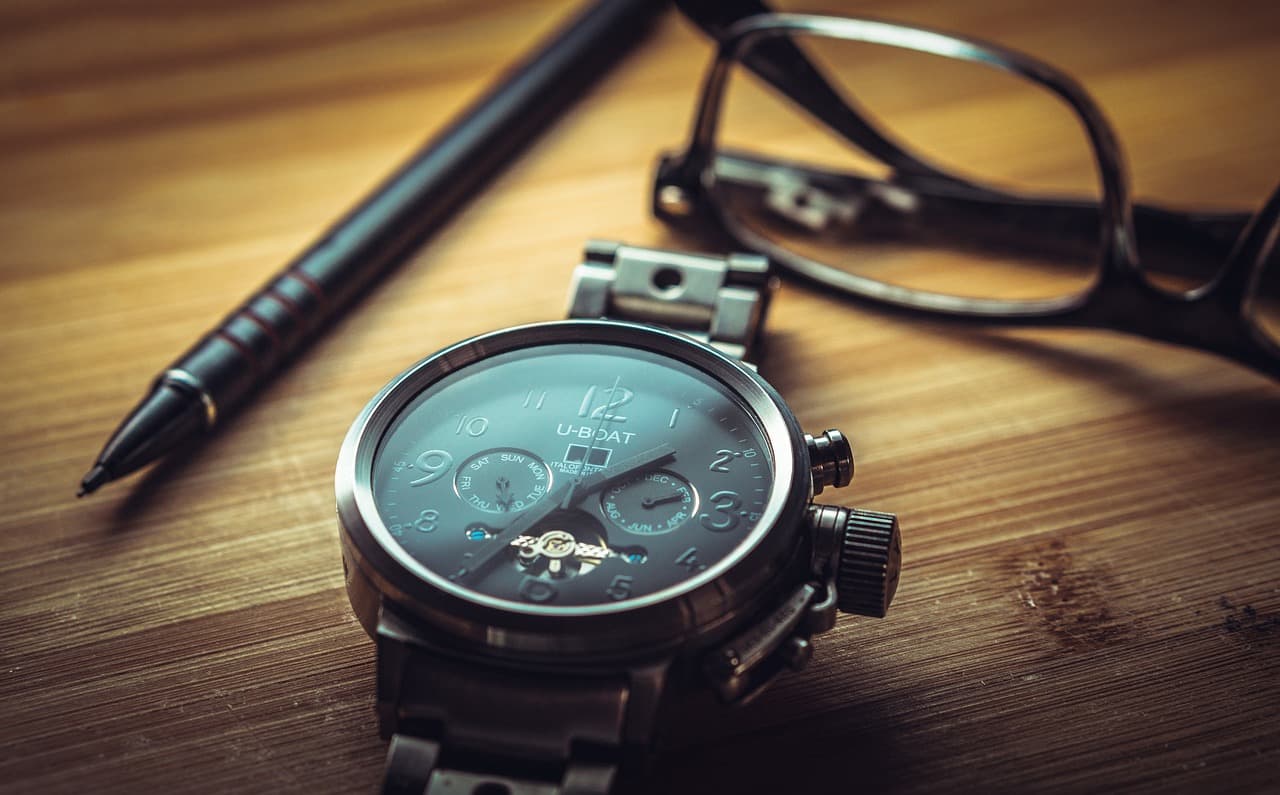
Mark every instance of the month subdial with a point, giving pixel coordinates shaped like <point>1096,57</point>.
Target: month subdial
<point>502,480</point>
<point>650,503</point>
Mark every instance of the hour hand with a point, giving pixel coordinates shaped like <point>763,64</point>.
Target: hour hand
<point>564,497</point>
<point>661,499</point>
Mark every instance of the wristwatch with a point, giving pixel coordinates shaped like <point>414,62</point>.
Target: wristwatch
<point>562,535</point>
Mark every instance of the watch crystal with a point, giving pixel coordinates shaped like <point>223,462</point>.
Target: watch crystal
<point>572,474</point>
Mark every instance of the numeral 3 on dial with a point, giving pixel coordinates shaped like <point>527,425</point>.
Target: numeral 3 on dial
<point>725,517</point>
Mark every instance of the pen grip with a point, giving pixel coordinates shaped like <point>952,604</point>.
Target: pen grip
<point>257,337</point>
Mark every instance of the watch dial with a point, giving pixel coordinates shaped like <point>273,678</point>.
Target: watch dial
<point>572,474</point>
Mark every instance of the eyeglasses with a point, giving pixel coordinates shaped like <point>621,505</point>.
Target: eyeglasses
<point>843,200</point>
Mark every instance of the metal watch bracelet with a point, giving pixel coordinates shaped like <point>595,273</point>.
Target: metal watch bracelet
<point>721,301</point>
<point>473,728</point>
<point>468,728</point>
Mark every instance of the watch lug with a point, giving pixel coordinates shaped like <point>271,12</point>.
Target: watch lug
<point>394,639</point>
<point>647,682</point>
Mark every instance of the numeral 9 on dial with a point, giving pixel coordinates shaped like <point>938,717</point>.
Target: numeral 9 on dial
<point>434,463</point>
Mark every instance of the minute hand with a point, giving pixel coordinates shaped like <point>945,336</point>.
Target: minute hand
<point>562,498</point>
<point>592,483</point>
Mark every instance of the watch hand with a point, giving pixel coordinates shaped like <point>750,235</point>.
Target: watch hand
<point>653,502</point>
<point>500,539</point>
<point>593,483</point>
<point>504,499</point>
<point>565,497</point>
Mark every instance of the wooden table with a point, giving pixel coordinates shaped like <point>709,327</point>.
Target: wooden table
<point>1092,522</point>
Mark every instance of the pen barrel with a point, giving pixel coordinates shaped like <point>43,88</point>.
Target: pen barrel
<point>261,333</point>
<point>257,338</point>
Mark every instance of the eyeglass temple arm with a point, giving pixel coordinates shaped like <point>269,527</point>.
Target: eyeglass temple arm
<point>784,66</point>
<point>1242,274</point>
<point>927,210</point>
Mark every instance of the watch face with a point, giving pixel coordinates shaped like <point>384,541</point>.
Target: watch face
<point>571,475</point>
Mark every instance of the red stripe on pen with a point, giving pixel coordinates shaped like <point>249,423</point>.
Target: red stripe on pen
<point>240,346</point>
<point>288,303</point>
<point>311,284</point>
<point>262,323</point>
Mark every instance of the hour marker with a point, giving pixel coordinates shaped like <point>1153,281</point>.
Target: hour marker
<point>689,559</point>
<point>618,396</point>
<point>472,426</point>
<point>675,414</point>
<point>534,399</point>
<point>535,590</point>
<point>620,588</point>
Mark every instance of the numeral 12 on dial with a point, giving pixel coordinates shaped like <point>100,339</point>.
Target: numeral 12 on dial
<point>618,396</point>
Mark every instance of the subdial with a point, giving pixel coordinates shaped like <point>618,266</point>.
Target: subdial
<point>653,502</point>
<point>505,480</point>
<point>567,544</point>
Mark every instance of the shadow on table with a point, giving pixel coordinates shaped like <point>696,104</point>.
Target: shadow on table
<point>154,485</point>
<point>1238,412</point>
<point>854,748</point>
<point>1232,413</point>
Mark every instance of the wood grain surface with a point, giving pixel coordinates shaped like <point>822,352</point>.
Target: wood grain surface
<point>1091,522</point>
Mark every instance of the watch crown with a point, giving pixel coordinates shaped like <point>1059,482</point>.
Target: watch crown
<point>870,557</point>
<point>830,460</point>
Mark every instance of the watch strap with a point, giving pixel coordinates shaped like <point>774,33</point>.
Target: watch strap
<point>721,301</point>
<point>460,726</point>
<point>413,768</point>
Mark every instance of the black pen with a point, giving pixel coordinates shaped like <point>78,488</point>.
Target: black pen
<point>257,337</point>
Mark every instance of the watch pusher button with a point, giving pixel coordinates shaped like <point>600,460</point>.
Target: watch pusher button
<point>830,460</point>
<point>863,551</point>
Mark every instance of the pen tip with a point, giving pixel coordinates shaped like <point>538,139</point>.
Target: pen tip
<point>94,479</point>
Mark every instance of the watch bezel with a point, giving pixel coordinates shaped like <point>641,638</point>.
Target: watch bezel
<point>670,616</point>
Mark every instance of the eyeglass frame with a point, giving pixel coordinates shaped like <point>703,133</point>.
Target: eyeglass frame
<point>1215,316</point>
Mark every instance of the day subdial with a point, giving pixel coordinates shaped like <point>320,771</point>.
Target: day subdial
<point>502,480</point>
<point>651,503</point>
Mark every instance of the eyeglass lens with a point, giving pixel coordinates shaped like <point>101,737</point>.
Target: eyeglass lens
<point>986,126</point>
